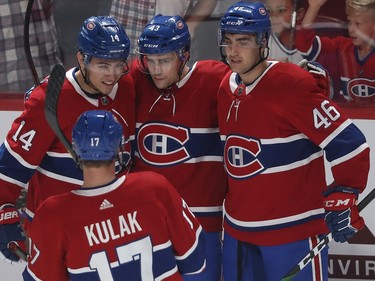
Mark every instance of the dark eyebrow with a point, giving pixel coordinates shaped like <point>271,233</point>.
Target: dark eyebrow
<point>103,62</point>
<point>243,39</point>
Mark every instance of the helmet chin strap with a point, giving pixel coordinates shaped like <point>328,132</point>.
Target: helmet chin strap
<point>84,72</point>
<point>262,58</point>
<point>181,69</point>
<point>86,79</point>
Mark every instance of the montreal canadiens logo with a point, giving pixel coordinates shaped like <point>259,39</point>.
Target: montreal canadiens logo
<point>240,156</point>
<point>262,11</point>
<point>162,144</point>
<point>361,90</point>
<point>90,26</point>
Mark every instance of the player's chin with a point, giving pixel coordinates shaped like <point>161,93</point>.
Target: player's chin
<point>236,66</point>
<point>160,83</point>
<point>105,88</point>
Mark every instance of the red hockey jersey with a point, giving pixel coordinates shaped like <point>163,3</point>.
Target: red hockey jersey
<point>33,156</point>
<point>353,77</point>
<point>135,228</point>
<point>274,134</point>
<point>177,136</point>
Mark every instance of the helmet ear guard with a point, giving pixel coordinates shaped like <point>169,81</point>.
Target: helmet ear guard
<point>182,55</point>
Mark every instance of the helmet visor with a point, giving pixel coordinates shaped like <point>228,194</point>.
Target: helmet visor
<point>239,41</point>
<point>153,64</point>
<point>107,67</point>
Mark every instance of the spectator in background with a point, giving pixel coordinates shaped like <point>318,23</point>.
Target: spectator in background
<point>282,43</point>
<point>15,75</point>
<point>350,61</point>
<point>134,14</point>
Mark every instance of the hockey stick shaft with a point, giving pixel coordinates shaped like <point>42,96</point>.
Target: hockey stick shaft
<point>293,23</point>
<point>323,243</point>
<point>15,249</point>
<point>26,41</point>
<point>55,83</point>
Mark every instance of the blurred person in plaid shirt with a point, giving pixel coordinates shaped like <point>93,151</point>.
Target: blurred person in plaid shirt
<point>135,14</point>
<point>15,75</point>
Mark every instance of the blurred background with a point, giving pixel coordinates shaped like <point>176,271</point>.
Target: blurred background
<point>54,25</point>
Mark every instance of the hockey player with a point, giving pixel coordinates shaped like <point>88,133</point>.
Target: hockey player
<point>177,128</point>
<point>351,61</point>
<point>135,227</point>
<point>276,125</point>
<point>31,150</point>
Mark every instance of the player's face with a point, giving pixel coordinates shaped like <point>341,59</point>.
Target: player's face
<point>104,74</point>
<point>242,51</point>
<point>163,69</point>
<point>280,12</point>
<point>361,28</point>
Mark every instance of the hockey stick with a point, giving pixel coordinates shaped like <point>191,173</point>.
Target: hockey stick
<point>324,242</point>
<point>55,83</point>
<point>16,250</point>
<point>293,23</point>
<point>26,42</point>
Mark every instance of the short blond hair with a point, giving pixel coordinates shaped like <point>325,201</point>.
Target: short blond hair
<point>353,6</point>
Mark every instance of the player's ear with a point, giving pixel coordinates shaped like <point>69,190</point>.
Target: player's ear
<point>183,55</point>
<point>186,56</point>
<point>264,46</point>
<point>80,58</point>
<point>263,43</point>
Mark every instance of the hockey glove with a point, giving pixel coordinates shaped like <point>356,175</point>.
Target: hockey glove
<point>319,73</point>
<point>10,231</point>
<point>342,216</point>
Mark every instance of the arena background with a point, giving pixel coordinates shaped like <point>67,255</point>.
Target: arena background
<point>349,261</point>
